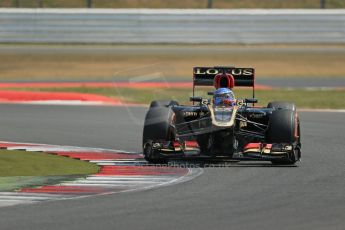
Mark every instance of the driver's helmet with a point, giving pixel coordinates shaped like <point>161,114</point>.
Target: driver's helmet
<point>224,97</point>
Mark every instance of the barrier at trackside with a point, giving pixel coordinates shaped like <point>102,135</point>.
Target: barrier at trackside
<point>237,26</point>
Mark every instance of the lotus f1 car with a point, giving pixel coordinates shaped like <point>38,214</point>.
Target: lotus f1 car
<point>222,126</point>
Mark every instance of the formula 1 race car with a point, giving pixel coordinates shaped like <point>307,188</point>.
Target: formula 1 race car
<point>222,127</point>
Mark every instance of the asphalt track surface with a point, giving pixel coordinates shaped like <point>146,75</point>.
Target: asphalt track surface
<point>240,196</point>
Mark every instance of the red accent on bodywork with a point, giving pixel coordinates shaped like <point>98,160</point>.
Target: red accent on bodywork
<point>176,144</point>
<point>221,77</point>
<point>267,146</point>
<point>193,144</point>
<point>252,146</point>
<point>259,146</point>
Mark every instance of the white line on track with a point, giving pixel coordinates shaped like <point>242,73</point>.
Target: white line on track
<point>31,198</point>
<point>5,203</point>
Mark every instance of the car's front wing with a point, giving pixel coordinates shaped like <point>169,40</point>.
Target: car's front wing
<point>251,151</point>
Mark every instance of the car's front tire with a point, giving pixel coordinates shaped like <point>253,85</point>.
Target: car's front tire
<point>283,127</point>
<point>276,105</point>
<point>159,125</point>
<point>150,156</point>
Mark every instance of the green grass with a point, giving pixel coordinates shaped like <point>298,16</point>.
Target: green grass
<point>175,4</point>
<point>21,163</point>
<point>332,99</point>
<point>12,183</point>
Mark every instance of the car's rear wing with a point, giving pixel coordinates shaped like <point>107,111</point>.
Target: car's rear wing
<point>204,76</point>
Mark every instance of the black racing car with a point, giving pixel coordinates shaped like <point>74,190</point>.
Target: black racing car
<point>222,127</point>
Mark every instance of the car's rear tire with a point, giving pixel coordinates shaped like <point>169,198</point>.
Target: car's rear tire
<point>281,129</point>
<point>281,105</point>
<point>163,103</point>
<point>158,126</point>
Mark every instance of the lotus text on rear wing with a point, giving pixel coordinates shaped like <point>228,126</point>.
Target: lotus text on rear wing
<point>234,72</point>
